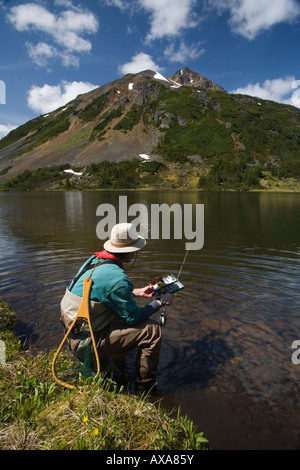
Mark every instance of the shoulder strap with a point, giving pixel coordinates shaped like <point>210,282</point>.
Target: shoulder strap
<point>87,267</point>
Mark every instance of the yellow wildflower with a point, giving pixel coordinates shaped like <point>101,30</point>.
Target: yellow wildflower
<point>85,419</point>
<point>96,431</point>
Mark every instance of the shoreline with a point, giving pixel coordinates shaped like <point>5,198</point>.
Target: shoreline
<point>39,414</point>
<point>166,190</point>
<point>131,175</point>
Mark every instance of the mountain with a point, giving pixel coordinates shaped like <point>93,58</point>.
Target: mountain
<point>201,135</point>
<point>187,77</point>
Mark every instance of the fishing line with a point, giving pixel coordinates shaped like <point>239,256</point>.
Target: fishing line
<point>133,263</point>
<point>163,317</point>
<point>183,263</point>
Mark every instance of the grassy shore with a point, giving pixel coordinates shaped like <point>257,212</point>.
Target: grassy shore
<point>149,175</point>
<point>38,414</point>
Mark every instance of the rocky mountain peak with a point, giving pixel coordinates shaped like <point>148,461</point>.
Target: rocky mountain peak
<point>189,78</point>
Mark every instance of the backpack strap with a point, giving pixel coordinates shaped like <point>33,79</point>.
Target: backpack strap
<point>87,267</point>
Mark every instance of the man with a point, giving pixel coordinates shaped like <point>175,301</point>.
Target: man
<point>118,323</point>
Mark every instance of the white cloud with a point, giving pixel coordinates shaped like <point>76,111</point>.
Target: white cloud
<point>121,4</point>
<point>63,3</point>
<point>169,17</point>
<point>139,63</point>
<point>250,18</point>
<point>41,53</point>
<point>69,60</point>
<point>282,90</point>
<point>184,53</point>
<point>48,98</point>
<point>66,29</point>
<point>31,16</point>
<point>5,129</point>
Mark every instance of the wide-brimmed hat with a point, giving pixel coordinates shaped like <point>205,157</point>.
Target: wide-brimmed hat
<point>124,239</point>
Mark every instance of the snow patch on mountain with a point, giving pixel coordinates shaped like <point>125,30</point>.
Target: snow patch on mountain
<point>144,156</point>
<point>159,76</point>
<point>73,172</point>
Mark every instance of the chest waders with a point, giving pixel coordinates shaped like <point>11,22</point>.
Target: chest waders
<point>68,374</point>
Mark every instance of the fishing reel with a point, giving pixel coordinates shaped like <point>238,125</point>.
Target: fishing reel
<point>165,284</point>
<point>163,315</point>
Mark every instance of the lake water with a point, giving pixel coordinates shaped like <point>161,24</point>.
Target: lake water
<point>226,356</point>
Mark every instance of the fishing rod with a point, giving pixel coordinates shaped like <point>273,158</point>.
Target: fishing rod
<point>168,284</point>
<point>163,315</point>
<point>183,263</point>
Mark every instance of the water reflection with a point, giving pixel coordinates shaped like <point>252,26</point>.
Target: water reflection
<point>73,204</point>
<point>230,331</point>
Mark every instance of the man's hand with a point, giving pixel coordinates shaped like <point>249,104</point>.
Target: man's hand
<point>144,292</point>
<point>167,298</point>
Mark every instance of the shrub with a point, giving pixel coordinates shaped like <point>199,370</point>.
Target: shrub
<point>130,119</point>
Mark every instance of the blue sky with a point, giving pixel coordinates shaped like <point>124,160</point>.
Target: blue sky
<point>53,50</point>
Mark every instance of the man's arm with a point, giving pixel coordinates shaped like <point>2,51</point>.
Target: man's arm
<point>143,292</point>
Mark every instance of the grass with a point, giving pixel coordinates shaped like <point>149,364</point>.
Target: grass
<point>41,129</point>
<point>38,414</point>
<point>37,179</point>
<point>130,119</point>
<point>127,174</point>
<point>223,175</point>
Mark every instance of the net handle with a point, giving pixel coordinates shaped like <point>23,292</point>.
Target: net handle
<point>83,312</point>
<point>84,309</point>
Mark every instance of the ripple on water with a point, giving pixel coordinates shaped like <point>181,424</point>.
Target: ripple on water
<point>229,331</point>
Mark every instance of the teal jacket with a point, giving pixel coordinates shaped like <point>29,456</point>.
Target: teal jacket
<point>114,290</point>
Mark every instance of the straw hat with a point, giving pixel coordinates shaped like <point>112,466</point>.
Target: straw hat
<point>124,239</point>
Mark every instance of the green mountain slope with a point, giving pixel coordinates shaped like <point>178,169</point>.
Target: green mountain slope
<point>202,136</point>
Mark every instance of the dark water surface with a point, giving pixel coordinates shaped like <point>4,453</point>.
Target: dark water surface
<point>226,357</point>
